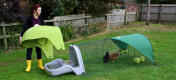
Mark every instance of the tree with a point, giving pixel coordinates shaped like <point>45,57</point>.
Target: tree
<point>17,10</point>
<point>96,7</point>
<point>12,11</point>
<point>64,7</point>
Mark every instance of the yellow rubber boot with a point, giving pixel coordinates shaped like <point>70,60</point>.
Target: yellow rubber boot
<point>40,64</point>
<point>28,69</point>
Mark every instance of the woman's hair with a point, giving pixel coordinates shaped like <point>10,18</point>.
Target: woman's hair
<point>35,7</point>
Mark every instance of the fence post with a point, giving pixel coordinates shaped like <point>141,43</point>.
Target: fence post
<point>142,12</point>
<point>5,39</point>
<point>125,18</point>
<point>86,21</point>
<point>54,22</point>
<point>159,15</point>
<point>137,16</point>
<point>107,20</point>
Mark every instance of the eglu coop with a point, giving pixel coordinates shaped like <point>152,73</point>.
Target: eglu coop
<point>134,49</point>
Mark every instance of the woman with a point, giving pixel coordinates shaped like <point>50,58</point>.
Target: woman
<point>33,20</point>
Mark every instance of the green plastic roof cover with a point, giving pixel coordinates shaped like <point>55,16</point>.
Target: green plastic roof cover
<point>138,41</point>
<point>44,37</point>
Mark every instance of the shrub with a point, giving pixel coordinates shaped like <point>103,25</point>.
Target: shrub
<point>13,41</point>
<point>91,29</point>
<point>68,32</point>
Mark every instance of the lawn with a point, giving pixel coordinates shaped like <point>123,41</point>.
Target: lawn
<point>162,37</point>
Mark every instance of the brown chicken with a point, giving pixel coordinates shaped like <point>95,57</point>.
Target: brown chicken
<point>113,56</point>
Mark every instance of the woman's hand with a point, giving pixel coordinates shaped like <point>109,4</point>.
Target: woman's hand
<point>20,39</point>
<point>36,25</point>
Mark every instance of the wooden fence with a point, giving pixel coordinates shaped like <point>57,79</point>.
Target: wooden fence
<point>4,36</point>
<point>129,1</point>
<point>75,20</point>
<point>160,13</point>
<point>114,20</point>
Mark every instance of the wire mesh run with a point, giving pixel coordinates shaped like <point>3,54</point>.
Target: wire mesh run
<point>93,53</point>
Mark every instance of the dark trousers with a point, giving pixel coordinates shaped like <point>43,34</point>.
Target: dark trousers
<point>29,53</point>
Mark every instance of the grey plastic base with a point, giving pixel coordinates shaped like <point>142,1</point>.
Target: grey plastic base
<point>59,66</point>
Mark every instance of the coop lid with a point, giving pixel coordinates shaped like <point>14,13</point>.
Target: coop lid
<point>138,41</point>
<point>75,56</point>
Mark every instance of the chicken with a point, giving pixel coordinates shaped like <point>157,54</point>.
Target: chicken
<point>113,56</point>
<point>106,57</point>
<point>109,57</point>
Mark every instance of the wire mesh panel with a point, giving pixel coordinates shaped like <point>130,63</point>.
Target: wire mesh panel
<point>54,66</point>
<point>93,53</point>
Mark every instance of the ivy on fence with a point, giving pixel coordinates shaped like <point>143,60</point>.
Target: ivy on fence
<point>70,32</point>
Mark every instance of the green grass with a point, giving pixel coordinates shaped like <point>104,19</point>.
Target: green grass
<point>162,37</point>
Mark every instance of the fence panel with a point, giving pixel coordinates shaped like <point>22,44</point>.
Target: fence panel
<point>4,36</point>
<point>114,20</point>
<point>160,13</point>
